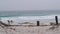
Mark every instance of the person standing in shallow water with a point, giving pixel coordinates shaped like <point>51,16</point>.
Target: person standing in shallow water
<point>11,21</point>
<point>8,22</point>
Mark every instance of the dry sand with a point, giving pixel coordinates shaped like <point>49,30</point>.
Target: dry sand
<point>30,30</point>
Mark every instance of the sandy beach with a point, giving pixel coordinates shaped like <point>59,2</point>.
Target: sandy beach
<point>28,29</point>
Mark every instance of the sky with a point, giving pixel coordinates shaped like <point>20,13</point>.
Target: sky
<point>7,5</point>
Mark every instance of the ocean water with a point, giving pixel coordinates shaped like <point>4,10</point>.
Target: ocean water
<point>29,16</point>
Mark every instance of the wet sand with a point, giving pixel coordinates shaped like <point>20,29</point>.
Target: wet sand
<point>30,30</point>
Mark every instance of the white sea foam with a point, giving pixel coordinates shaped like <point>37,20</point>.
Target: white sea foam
<point>29,18</point>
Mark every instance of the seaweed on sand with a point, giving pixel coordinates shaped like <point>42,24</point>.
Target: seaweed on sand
<point>3,25</point>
